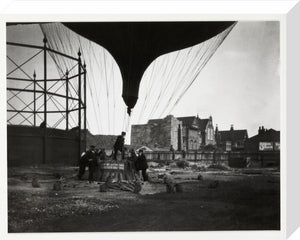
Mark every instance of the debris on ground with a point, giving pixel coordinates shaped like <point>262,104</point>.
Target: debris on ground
<point>35,182</point>
<point>103,187</point>
<point>199,177</point>
<point>218,167</point>
<point>132,186</point>
<point>182,164</point>
<point>149,188</point>
<point>13,181</point>
<point>46,210</point>
<point>213,184</point>
<point>178,188</point>
<point>170,183</point>
<point>57,186</point>
<point>198,168</point>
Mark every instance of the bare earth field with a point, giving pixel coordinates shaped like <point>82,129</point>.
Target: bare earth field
<point>243,200</point>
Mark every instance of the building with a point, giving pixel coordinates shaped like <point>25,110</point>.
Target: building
<point>160,133</point>
<point>184,133</point>
<point>196,132</point>
<point>264,148</point>
<point>267,140</point>
<point>231,140</point>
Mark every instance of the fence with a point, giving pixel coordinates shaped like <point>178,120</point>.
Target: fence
<point>25,146</point>
<point>232,159</point>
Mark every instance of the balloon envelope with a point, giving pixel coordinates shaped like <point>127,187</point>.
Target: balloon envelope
<point>134,45</point>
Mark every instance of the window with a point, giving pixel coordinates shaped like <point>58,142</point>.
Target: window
<point>210,134</point>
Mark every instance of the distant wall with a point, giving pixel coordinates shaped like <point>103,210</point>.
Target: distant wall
<point>231,159</point>
<point>192,156</point>
<point>25,146</point>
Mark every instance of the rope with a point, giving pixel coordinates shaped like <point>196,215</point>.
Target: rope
<point>161,89</point>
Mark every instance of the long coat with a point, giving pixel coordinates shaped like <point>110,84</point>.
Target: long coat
<point>119,144</point>
<point>89,157</point>
<point>141,163</point>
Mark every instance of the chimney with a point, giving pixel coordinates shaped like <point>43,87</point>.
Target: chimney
<point>231,134</point>
<point>217,134</point>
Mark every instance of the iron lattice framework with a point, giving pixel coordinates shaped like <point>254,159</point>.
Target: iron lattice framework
<point>40,90</point>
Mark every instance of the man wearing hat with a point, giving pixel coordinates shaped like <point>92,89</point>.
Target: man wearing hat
<point>141,165</point>
<point>119,144</point>
<point>89,158</point>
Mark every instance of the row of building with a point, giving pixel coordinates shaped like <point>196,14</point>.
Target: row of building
<point>193,133</point>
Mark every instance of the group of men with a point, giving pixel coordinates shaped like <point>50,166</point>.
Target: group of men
<point>90,159</point>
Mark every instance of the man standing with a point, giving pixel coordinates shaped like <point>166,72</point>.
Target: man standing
<point>141,164</point>
<point>89,159</point>
<point>172,150</point>
<point>119,144</point>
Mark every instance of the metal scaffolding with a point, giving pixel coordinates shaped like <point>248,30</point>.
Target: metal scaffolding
<point>31,111</point>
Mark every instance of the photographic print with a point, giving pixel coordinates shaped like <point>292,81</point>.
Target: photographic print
<point>143,126</point>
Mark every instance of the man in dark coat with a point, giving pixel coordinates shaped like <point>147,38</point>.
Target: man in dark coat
<point>89,158</point>
<point>141,164</point>
<point>102,154</point>
<point>129,167</point>
<point>119,144</point>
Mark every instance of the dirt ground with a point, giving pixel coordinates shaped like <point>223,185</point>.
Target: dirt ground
<point>242,200</point>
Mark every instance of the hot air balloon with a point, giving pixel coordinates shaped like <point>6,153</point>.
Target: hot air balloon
<point>134,45</point>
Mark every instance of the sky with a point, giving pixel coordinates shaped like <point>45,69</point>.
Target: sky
<point>239,85</point>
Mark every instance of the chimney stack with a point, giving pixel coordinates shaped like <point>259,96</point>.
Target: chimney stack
<point>261,130</point>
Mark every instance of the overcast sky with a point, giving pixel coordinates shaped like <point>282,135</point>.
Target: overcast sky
<point>239,85</point>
